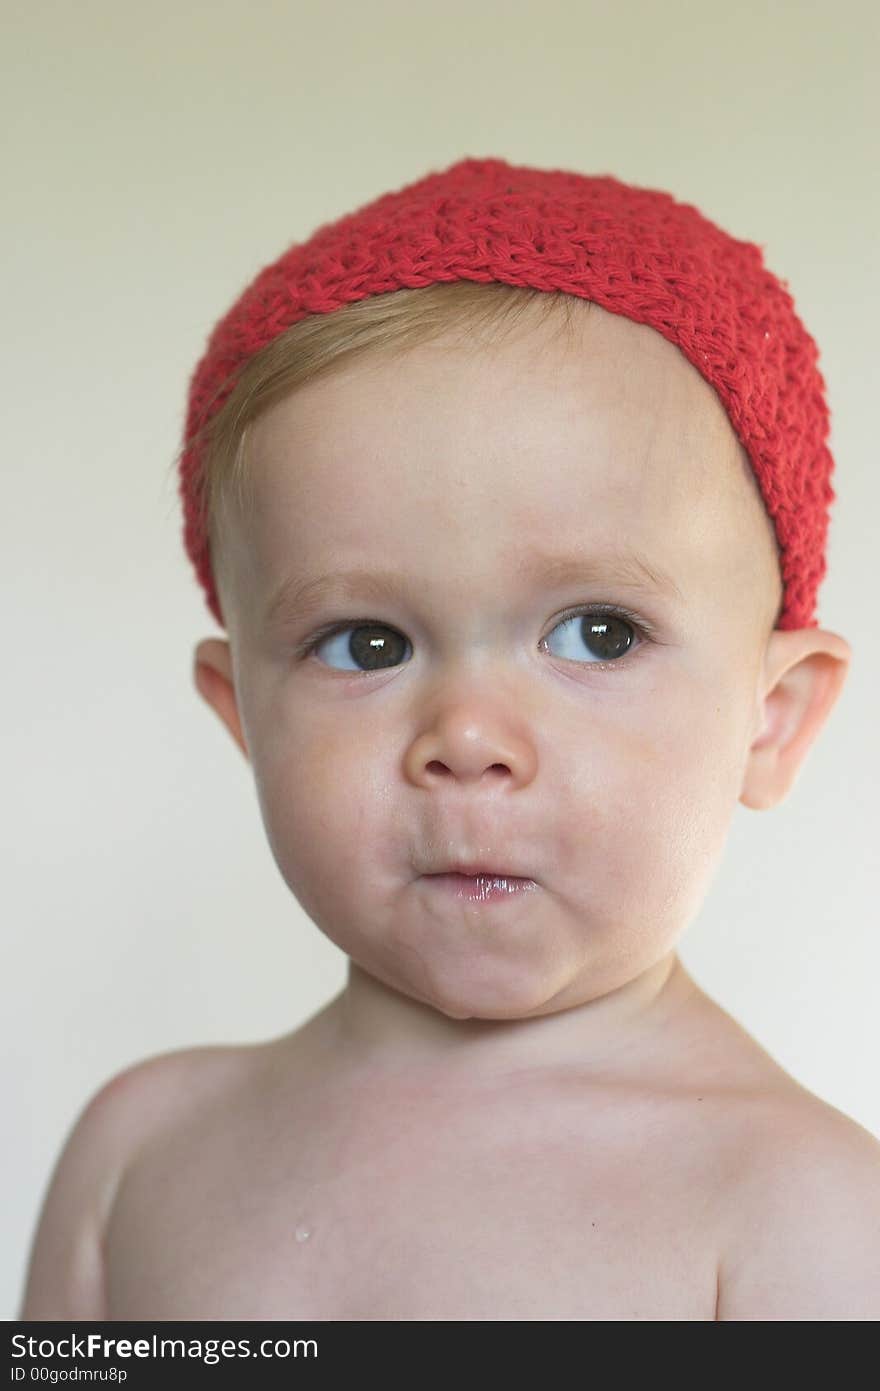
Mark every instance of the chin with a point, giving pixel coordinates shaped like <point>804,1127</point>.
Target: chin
<point>490,997</point>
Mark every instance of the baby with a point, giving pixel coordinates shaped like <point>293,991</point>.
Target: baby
<point>510,490</point>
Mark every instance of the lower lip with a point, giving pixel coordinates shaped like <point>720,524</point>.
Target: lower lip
<point>481,888</point>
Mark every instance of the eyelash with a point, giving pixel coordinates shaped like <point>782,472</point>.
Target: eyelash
<point>644,630</point>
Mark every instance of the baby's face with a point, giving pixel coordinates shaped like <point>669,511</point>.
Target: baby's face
<point>463,710</point>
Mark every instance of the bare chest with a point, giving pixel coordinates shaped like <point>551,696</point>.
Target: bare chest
<point>395,1209</point>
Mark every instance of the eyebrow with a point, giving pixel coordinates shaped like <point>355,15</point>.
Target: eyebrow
<point>299,598</point>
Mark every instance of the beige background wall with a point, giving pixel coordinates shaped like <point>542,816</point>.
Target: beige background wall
<point>155,157</point>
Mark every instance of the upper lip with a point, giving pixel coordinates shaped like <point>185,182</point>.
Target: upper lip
<point>475,867</point>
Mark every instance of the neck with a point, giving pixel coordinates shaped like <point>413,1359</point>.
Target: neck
<point>380,1026</point>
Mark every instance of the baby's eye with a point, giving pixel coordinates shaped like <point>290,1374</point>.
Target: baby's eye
<point>606,635</point>
<point>374,644</point>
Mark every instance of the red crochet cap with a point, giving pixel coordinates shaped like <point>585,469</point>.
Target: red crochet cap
<point>635,251</point>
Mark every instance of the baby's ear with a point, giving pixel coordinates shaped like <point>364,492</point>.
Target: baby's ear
<point>803,675</point>
<point>212,672</point>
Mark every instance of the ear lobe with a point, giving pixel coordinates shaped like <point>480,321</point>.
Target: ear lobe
<point>213,677</point>
<point>808,668</point>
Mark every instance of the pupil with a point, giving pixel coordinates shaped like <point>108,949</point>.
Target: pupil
<point>609,635</point>
<point>367,645</point>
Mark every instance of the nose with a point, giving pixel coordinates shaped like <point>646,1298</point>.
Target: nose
<point>469,746</point>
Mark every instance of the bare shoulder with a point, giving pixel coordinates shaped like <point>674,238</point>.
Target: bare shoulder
<point>802,1239</point>
<point>795,1181</point>
<point>65,1274</point>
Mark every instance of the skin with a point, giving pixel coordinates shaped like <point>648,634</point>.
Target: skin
<point>517,1110</point>
<point>521,1110</point>
<point>613,788</point>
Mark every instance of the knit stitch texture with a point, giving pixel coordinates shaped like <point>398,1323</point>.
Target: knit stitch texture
<point>634,251</point>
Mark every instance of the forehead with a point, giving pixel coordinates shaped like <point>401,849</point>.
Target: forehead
<point>447,456</point>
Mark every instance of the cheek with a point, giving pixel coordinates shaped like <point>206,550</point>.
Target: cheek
<point>323,803</point>
<point>666,820</point>
<point>643,806</point>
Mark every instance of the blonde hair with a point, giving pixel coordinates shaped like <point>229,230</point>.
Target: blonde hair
<point>382,325</point>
